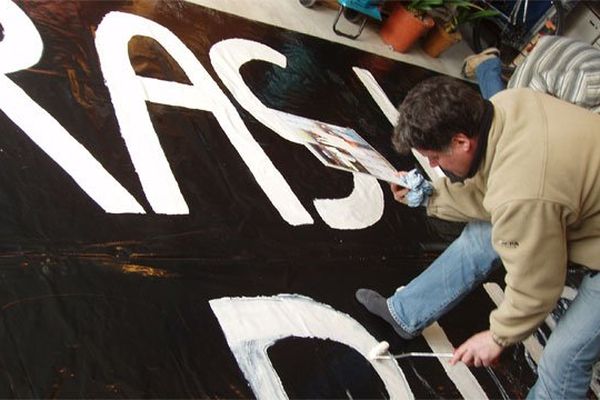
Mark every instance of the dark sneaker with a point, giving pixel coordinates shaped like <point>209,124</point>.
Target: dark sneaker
<point>377,304</point>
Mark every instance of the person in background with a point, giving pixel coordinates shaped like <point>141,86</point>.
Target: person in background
<point>486,67</point>
<point>562,67</point>
<point>529,187</point>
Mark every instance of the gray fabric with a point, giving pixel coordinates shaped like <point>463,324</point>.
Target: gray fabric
<point>563,67</point>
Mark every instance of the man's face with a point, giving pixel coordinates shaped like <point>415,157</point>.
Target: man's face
<point>456,159</point>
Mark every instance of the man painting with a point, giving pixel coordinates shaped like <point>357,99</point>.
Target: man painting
<point>527,169</point>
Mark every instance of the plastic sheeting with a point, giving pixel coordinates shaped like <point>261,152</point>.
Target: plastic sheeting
<point>97,303</point>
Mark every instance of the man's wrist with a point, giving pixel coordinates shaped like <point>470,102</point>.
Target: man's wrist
<point>500,342</point>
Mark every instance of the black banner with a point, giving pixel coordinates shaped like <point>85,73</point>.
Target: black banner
<point>104,303</point>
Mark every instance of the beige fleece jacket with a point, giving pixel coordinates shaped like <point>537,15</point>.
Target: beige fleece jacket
<point>539,185</point>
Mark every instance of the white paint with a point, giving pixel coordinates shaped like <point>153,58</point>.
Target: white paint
<point>391,113</point>
<point>22,45</point>
<point>533,346</point>
<point>568,293</point>
<point>379,350</point>
<point>361,209</point>
<point>364,206</point>
<point>251,325</point>
<point>22,48</point>
<point>227,57</point>
<point>129,93</point>
<point>459,373</point>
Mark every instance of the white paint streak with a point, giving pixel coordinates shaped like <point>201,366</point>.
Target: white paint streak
<point>22,45</point>
<point>22,48</point>
<point>568,293</point>
<point>533,346</point>
<point>459,373</point>
<point>128,95</point>
<point>251,325</point>
<point>175,94</point>
<point>391,114</point>
<point>365,204</point>
<point>226,57</point>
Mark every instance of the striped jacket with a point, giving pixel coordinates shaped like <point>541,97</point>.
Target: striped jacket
<point>565,68</point>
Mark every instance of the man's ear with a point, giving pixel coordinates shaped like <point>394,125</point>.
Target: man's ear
<point>462,142</point>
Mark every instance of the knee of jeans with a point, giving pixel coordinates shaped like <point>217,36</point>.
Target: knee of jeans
<point>478,232</point>
<point>558,378</point>
<point>544,363</point>
<point>553,353</point>
<point>550,364</point>
<point>477,229</point>
<point>548,380</point>
<point>539,391</point>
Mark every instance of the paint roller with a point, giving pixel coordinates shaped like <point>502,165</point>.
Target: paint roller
<point>379,351</point>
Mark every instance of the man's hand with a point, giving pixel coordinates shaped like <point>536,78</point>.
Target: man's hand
<point>398,191</point>
<point>479,350</point>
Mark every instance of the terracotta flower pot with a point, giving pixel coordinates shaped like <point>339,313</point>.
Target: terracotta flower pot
<point>438,40</point>
<point>403,28</point>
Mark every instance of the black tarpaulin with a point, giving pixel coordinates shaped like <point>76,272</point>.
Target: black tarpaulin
<point>100,304</point>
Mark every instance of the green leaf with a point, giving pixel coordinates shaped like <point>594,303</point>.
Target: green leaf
<point>424,5</point>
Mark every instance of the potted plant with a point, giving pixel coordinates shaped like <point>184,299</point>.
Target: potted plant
<point>407,22</point>
<point>449,18</point>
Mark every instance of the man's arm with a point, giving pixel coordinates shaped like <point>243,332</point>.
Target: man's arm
<point>458,201</point>
<point>530,238</point>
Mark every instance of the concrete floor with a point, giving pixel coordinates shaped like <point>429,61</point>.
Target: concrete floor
<point>318,21</point>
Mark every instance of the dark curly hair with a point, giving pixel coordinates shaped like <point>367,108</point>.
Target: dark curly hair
<point>434,111</point>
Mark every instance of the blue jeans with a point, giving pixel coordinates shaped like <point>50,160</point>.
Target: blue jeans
<point>565,370</point>
<point>459,269</point>
<point>489,77</point>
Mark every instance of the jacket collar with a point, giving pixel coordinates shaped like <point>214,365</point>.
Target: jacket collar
<point>482,134</point>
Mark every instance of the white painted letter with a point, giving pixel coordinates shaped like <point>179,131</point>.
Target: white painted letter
<point>459,373</point>
<point>129,93</point>
<point>251,325</point>
<point>364,206</point>
<point>22,48</point>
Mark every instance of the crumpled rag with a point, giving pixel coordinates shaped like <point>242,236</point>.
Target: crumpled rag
<point>419,188</point>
